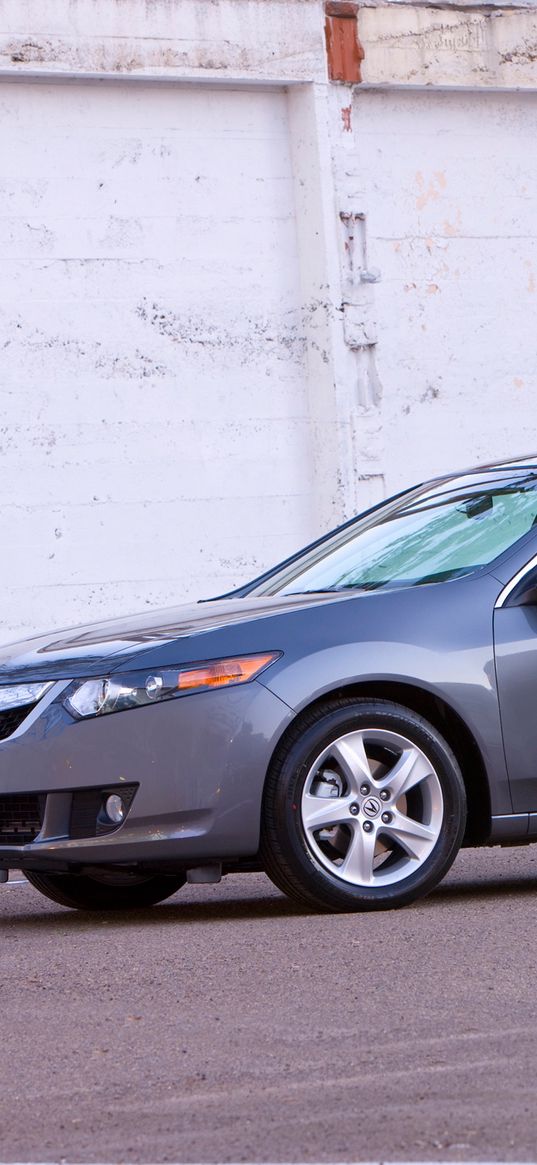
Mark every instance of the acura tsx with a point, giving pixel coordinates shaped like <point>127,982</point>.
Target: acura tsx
<point>345,722</point>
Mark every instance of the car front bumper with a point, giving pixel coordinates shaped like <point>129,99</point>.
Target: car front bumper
<point>196,766</point>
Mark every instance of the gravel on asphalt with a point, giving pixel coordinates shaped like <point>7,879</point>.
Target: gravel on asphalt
<point>227,1025</point>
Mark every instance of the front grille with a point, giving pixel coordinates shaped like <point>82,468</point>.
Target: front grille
<point>11,718</point>
<point>21,818</point>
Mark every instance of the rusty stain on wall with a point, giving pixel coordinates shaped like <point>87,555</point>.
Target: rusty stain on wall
<point>344,51</point>
<point>431,192</point>
<point>531,277</point>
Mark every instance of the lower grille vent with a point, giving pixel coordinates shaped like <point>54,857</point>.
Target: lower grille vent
<point>11,718</point>
<point>20,818</point>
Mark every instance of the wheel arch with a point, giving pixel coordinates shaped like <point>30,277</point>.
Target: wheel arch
<point>441,716</point>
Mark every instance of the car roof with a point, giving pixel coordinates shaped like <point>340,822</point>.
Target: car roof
<point>526,461</point>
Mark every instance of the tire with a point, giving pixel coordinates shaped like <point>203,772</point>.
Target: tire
<point>364,808</point>
<point>104,890</point>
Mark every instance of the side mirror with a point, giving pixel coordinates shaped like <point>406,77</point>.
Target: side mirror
<point>526,597</point>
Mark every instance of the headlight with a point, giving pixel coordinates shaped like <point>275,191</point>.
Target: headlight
<point>17,695</point>
<point>116,693</point>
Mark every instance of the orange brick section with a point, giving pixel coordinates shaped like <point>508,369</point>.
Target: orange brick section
<point>343,49</point>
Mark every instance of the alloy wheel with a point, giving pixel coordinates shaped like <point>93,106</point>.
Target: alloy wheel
<point>372,808</point>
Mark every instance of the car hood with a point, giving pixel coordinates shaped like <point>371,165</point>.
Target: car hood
<point>84,650</point>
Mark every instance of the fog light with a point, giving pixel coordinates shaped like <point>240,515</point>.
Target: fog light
<point>115,809</point>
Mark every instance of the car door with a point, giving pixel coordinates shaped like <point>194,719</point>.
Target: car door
<point>515,646</point>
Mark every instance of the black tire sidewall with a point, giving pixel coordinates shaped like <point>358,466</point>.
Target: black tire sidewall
<point>82,892</point>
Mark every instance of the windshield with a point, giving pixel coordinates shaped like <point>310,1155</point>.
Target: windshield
<point>437,532</point>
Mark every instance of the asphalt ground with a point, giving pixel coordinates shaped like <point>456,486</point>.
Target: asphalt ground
<point>226,1026</point>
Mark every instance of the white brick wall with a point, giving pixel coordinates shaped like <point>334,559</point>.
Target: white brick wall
<point>451,191</point>
<point>195,377</point>
<point>155,434</point>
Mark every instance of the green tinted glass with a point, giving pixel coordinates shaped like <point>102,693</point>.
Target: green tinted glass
<point>430,535</point>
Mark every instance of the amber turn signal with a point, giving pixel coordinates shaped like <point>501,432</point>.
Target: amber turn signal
<point>224,671</point>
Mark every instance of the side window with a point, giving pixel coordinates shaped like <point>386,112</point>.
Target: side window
<point>525,590</point>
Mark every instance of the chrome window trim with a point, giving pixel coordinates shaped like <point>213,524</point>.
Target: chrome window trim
<point>510,586</point>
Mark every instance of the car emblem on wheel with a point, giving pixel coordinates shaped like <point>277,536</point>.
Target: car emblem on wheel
<point>371,807</point>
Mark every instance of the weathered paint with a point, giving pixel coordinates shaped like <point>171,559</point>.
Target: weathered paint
<point>242,39</point>
<point>474,46</point>
<point>229,317</point>
<point>155,434</point>
<point>481,44</point>
<point>450,187</point>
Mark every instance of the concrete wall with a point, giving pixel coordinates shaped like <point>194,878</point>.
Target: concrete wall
<point>247,286</point>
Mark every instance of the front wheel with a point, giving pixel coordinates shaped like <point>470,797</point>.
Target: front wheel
<point>105,890</point>
<point>364,808</point>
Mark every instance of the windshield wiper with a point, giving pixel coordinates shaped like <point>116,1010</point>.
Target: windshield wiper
<point>330,590</point>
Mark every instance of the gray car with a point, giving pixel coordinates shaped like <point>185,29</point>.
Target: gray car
<point>345,722</point>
